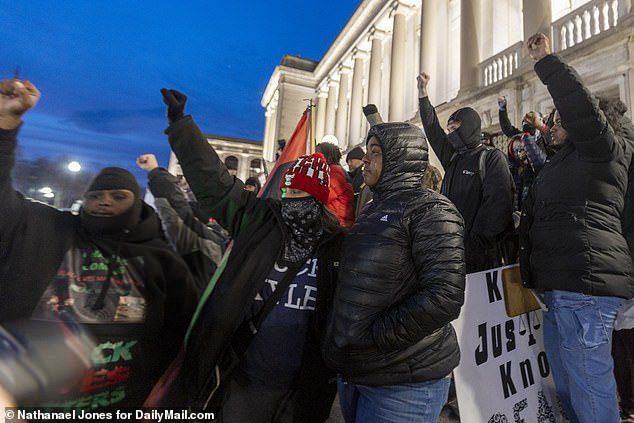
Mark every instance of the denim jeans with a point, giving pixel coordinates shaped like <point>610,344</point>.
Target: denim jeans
<point>407,403</point>
<point>578,343</point>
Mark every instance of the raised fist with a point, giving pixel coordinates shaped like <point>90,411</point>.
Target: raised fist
<point>538,46</point>
<point>175,102</point>
<point>16,97</point>
<point>421,81</point>
<point>147,162</point>
<point>502,102</point>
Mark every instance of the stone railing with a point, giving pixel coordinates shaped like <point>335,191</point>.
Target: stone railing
<point>502,65</point>
<point>587,21</point>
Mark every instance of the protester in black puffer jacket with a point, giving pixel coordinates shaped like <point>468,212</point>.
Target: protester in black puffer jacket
<point>401,282</point>
<point>486,205</point>
<point>572,247</point>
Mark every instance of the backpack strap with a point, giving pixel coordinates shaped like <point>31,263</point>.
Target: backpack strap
<point>249,327</point>
<point>482,162</point>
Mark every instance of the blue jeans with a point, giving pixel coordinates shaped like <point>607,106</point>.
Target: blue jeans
<point>407,403</point>
<point>578,343</point>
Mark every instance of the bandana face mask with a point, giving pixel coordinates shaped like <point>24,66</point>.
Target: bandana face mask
<point>302,217</point>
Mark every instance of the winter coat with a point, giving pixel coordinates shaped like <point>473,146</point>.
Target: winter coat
<point>627,132</point>
<point>200,246</point>
<point>259,235</point>
<point>50,263</point>
<point>542,140</point>
<point>402,275</point>
<point>341,198</point>
<point>486,207</point>
<point>571,224</point>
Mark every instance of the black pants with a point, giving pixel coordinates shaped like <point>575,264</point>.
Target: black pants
<point>256,404</point>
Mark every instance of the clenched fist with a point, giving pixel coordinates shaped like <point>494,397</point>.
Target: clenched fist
<point>16,97</point>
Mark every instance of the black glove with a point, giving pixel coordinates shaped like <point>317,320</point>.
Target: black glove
<point>175,104</point>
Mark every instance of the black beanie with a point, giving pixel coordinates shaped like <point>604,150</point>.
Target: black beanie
<point>355,153</point>
<point>115,178</point>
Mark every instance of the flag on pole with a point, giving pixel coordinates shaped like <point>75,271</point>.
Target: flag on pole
<point>300,144</point>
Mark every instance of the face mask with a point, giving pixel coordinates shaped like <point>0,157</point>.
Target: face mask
<point>302,217</point>
<point>455,141</point>
<point>111,225</point>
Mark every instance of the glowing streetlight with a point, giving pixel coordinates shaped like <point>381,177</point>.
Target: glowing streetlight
<point>74,166</point>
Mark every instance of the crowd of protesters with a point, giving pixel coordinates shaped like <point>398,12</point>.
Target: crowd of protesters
<point>263,310</point>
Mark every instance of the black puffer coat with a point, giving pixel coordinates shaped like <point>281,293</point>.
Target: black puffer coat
<point>402,275</point>
<point>571,224</point>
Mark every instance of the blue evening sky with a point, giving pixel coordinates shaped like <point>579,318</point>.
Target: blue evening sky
<point>100,66</point>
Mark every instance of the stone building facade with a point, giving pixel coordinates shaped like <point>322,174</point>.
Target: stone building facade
<point>243,157</point>
<point>473,50</point>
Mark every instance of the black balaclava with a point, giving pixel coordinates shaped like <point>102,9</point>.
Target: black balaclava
<point>467,136</point>
<point>113,178</point>
<point>302,217</point>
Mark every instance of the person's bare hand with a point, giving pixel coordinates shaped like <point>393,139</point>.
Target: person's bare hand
<point>16,98</point>
<point>502,102</point>
<point>538,46</point>
<point>147,162</point>
<point>421,81</point>
<point>532,118</point>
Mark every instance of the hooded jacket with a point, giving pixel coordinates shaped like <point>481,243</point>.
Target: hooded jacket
<point>570,232</point>
<point>49,263</point>
<point>486,207</point>
<point>259,235</point>
<point>402,275</point>
<point>200,245</point>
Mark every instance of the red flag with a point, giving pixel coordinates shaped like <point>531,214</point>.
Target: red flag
<point>299,144</point>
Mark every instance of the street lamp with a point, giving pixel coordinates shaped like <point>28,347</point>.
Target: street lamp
<point>74,166</point>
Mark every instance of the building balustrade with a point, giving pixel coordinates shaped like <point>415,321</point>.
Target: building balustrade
<point>502,65</point>
<point>587,21</point>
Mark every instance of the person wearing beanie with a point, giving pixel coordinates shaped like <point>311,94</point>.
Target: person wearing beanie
<point>252,184</point>
<point>485,201</point>
<point>401,283</point>
<point>253,354</point>
<point>354,158</point>
<point>341,199</point>
<point>108,269</point>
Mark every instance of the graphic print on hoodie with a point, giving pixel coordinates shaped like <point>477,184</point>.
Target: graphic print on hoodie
<point>105,294</point>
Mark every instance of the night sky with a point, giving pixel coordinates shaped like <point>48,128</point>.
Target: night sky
<point>100,66</point>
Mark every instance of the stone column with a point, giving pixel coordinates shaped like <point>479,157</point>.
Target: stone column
<point>341,125</point>
<point>356,113</point>
<point>537,17</point>
<point>320,118</point>
<point>331,108</point>
<point>267,126</point>
<point>469,50</point>
<point>374,83</point>
<point>397,69</point>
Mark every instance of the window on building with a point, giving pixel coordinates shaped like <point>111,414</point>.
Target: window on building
<point>255,167</point>
<point>232,165</point>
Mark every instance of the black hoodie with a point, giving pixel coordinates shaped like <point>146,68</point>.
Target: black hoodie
<point>487,207</point>
<point>50,263</point>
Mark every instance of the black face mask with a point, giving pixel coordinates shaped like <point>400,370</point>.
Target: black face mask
<point>112,225</point>
<point>455,141</point>
<point>302,217</point>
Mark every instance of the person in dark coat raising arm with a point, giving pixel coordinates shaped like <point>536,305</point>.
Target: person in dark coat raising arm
<point>108,268</point>
<point>485,203</point>
<point>571,245</point>
<point>252,354</point>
